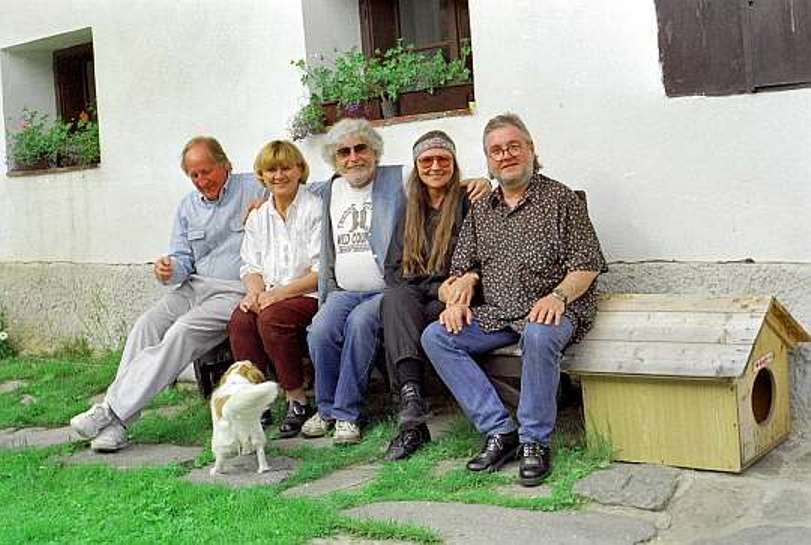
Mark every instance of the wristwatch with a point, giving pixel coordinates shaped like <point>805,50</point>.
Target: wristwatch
<point>560,295</point>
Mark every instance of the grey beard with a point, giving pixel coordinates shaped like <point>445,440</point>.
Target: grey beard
<point>516,183</point>
<point>360,178</point>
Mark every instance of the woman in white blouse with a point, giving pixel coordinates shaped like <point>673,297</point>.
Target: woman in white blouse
<point>280,272</point>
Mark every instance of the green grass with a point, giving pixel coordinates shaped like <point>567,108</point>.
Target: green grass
<point>51,502</point>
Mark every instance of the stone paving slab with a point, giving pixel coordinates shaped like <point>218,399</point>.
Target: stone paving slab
<point>791,460</point>
<point>763,535</point>
<point>349,540</point>
<point>461,524</point>
<point>643,486</point>
<point>292,443</point>
<point>138,455</point>
<point>524,492</point>
<point>709,504</point>
<point>241,472</point>
<point>11,385</point>
<point>37,437</point>
<point>343,479</point>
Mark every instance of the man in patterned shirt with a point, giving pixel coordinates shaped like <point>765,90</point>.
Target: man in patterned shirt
<point>532,250</point>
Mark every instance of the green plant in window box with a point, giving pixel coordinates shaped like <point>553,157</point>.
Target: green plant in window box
<point>307,121</point>
<point>39,144</point>
<point>346,83</point>
<point>393,72</point>
<point>437,72</point>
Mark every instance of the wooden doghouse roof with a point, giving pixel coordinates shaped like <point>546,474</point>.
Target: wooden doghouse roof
<point>678,335</point>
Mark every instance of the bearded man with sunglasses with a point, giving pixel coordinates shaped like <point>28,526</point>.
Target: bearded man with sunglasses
<point>534,253</point>
<point>361,206</point>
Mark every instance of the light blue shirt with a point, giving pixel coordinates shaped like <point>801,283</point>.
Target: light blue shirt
<point>207,236</point>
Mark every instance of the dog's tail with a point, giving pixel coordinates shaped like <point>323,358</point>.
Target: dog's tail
<point>251,399</point>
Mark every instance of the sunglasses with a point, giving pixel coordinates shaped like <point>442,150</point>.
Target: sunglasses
<point>428,162</point>
<point>345,152</point>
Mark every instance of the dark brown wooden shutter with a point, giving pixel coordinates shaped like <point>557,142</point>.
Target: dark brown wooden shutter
<point>379,25</point>
<point>701,46</point>
<point>781,42</point>
<point>74,80</point>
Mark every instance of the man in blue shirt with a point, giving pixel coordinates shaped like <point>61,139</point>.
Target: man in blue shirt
<point>203,265</point>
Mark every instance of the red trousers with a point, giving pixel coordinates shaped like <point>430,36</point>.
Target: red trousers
<point>274,338</point>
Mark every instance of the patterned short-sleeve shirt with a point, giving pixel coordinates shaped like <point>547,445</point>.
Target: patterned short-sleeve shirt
<point>523,253</point>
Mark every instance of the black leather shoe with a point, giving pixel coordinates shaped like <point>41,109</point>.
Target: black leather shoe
<point>413,409</point>
<point>266,419</point>
<point>407,442</point>
<point>297,415</point>
<point>499,449</point>
<point>535,462</point>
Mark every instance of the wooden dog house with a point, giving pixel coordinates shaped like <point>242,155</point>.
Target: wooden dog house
<point>687,380</point>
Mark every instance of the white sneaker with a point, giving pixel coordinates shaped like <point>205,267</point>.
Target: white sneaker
<point>91,422</point>
<point>316,426</point>
<point>111,439</point>
<point>346,433</point>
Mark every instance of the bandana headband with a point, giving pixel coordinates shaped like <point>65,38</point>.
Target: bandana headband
<point>432,143</point>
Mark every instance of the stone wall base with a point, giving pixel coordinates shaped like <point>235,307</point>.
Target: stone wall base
<point>49,304</point>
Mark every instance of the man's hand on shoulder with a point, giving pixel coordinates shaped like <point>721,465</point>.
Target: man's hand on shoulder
<point>477,188</point>
<point>253,204</point>
<point>164,266</point>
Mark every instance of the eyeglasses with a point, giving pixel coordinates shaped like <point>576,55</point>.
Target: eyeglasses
<point>428,162</point>
<point>513,149</point>
<point>345,152</point>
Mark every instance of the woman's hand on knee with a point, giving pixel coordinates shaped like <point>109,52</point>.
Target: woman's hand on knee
<point>250,303</point>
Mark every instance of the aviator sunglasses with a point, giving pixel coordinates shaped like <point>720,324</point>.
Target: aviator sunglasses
<point>428,162</point>
<point>345,152</point>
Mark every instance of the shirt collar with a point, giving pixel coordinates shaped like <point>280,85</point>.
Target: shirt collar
<point>497,196</point>
<point>293,205</point>
<point>223,193</point>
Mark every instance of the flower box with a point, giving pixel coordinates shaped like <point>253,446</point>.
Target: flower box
<point>443,99</point>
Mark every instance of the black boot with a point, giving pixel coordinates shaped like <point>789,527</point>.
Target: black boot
<point>413,410</point>
<point>535,463</point>
<point>499,448</point>
<point>297,415</point>
<point>407,442</point>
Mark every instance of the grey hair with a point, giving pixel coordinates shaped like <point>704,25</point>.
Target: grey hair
<point>509,119</point>
<point>351,127</point>
<point>212,146</point>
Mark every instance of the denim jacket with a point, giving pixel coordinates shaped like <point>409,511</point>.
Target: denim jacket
<point>388,204</point>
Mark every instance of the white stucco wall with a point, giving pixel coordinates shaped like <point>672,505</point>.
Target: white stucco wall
<point>685,179</point>
<point>165,71</point>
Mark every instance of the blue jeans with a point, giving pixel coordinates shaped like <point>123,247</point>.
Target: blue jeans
<point>541,346</point>
<point>343,343</point>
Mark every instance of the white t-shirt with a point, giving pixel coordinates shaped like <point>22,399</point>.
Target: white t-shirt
<point>351,217</point>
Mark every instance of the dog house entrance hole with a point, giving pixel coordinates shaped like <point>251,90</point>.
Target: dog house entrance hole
<point>762,395</point>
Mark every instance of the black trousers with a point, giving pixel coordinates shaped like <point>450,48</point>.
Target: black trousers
<point>406,311</point>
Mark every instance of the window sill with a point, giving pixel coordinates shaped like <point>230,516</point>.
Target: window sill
<point>55,170</point>
<point>398,120</point>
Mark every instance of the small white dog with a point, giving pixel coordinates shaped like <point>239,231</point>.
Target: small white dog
<point>236,407</point>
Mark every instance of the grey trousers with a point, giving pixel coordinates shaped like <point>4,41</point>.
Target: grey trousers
<point>185,324</point>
